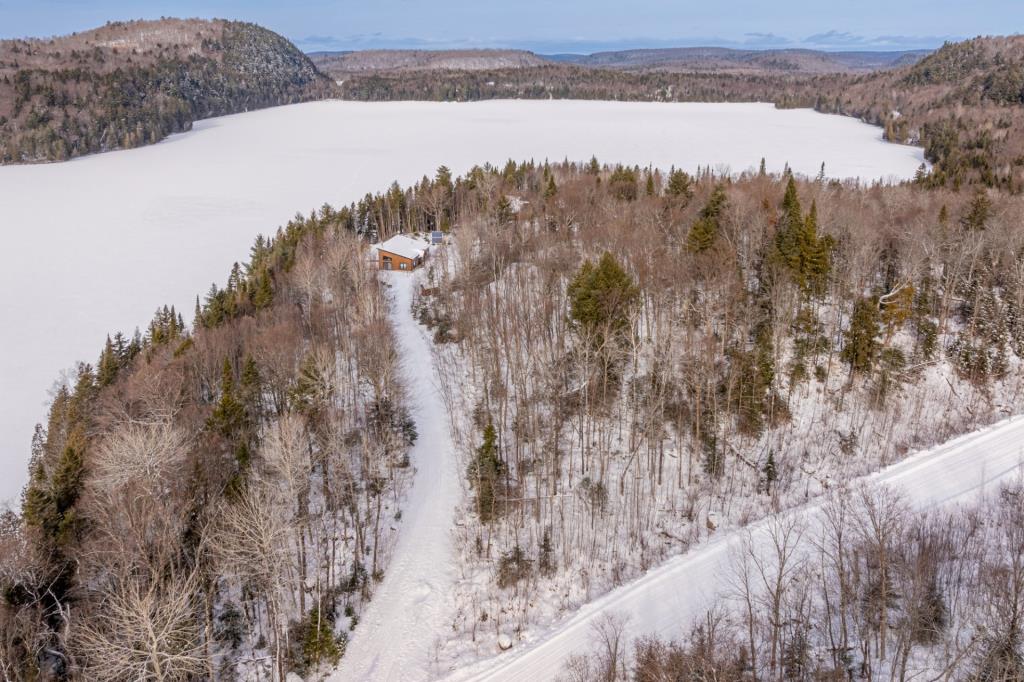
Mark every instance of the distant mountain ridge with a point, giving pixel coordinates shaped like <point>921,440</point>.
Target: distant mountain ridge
<point>727,59</point>
<point>128,84</point>
<point>682,59</point>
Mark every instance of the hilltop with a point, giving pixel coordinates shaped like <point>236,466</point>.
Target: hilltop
<point>963,104</point>
<point>128,84</point>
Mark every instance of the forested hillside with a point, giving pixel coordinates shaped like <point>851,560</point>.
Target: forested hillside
<point>639,360</point>
<point>340,65</point>
<point>686,59</point>
<point>216,501</point>
<point>131,84</point>
<point>964,103</point>
<point>633,360</point>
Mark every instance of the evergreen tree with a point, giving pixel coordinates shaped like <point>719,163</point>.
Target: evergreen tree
<point>443,179</point>
<point>65,489</point>
<point>135,347</point>
<point>702,235</point>
<point>504,214</point>
<point>861,346</point>
<point>51,497</point>
<point>680,184</point>
<point>108,366</point>
<point>235,277</point>
<point>755,375</point>
<point>705,229</point>
<point>601,300</point>
<point>649,189</point>
<point>263,293</point>
<point>798,247</point>
<point>213,312</point>
<point>484,474</point>
<point>319,645</point>
<point>546,562</point>
<point>815,253</point>
<point>312,390</point>
<point>551,189</point>
<point>121,349</point>
<point>197,316</point>
<point>49,505</point>
<point>228,415</point>
<point>770,472</point>
<point>250,390</point>
<point>978,212</point>
<point>622,183</point>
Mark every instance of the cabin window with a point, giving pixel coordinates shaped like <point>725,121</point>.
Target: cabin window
<point>402,265</point>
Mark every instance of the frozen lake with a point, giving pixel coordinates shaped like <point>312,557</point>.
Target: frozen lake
<point>96,244</point>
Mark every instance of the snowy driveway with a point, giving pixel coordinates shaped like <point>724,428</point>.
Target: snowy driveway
<point>394,638</point>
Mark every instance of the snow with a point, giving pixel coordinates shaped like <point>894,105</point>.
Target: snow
<point>667,600</point>
<point>96,244</point>
<point>395,633</point>
<point>405,246</point>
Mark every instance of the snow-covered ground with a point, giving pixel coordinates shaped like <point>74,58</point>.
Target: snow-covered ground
<point>96,244</point>
<point>394,637</point>
<point>667,600</point>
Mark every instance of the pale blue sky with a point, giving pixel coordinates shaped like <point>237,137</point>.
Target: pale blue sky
<point>557,25</point>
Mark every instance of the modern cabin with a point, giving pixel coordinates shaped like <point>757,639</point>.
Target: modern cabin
<point>402,252</point>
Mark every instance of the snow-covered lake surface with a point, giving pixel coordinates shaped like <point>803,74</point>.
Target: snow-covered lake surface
<point>95,245</point>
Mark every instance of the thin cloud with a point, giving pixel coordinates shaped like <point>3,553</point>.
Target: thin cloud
<point>845,40</point>
<point>375,41</point>
<point>835,38</point>
<point>765,39</point>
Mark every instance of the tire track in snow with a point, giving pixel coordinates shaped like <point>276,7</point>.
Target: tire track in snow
<point>396,632</point>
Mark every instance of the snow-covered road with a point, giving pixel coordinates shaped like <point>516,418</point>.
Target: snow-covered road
<point>394,638</point>
<point>667,600</point>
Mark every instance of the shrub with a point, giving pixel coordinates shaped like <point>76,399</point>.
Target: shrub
<point>513,567</point>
